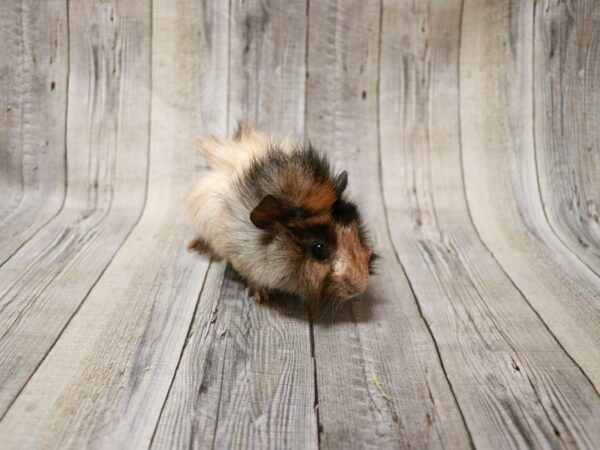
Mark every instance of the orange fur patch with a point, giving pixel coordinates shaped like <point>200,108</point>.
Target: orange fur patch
<point>307,194</point>
<point>357,274</point>
<point>319,199</point>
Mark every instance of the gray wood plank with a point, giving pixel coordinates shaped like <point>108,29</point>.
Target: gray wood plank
<point>513,382</point>
<point>501,183</point>
<point>246,375</point>
<point>380,381</point>
<point>567,136</point>
<point>268,52</point>
<point>480,328</point>
<point>43,285</point>
<point>33,93</point>
<point>104,383</point>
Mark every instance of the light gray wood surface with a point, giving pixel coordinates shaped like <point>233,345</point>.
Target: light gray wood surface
<point>139,313</point>
<point>466,298</point>
<point>246,375</point>
<point>382,338</point>
<point>33,83</point>
<point>502,186</point>
<point>468,129</point>
<point>46,281</point>
<point>567,136</point>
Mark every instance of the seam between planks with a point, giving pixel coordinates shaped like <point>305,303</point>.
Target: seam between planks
<point>85,297</point>
<point>535,155</point>
<point>218,412</point>
<point>306,72</point>
<point>387,222</point>
<point>462,174</point>
<point>22,112</point>
<point>315,378</point>
<point>227,130</point>
<point>313,354</point>
<point>228,106</point>
<point>65,169</point>
<point>183,348</point>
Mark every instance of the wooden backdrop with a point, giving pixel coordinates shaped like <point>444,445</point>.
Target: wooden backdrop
<point>471,133</point>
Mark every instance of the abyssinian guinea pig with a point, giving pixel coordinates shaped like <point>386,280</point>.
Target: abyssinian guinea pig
<point>278,214</point>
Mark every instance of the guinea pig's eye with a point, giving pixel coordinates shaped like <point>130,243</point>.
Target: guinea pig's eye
<point>320,250</point>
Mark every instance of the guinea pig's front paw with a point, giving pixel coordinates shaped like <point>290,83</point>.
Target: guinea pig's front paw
<point>259,294</point>
<point>197,245</point>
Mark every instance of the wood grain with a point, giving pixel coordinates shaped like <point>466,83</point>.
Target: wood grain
<point>114,364</point>
<point>246,375</point>
<point>380,381</point>
<point>567,109</point>
<point>33,101</point>
<point>501,183</point>
<point>510,377</point>
<point>468,129</point>
<point>44,284</point>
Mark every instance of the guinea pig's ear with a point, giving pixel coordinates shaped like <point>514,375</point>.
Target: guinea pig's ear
<point>269,210</point>
<point>341,182</point>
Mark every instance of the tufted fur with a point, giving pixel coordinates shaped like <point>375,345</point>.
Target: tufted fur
<point>264,204</point>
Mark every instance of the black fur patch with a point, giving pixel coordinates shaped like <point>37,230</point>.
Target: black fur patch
<point>263,173</point>
<point>313,162</point>
<point>311,233</point>
<point>344,212</point>
<point>263,176</point>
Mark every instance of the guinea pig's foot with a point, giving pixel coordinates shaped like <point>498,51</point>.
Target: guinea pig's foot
<point>197,245</point>
<point>259,294</point>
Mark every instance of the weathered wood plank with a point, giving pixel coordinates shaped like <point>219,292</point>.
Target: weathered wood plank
<point>44,284</point>
<point>33,94</point>
<point>268,51</point>
<point>380,381</point>
<point>514,384</point>
<point>246,375</point>
<point>105,381</point>
<point>567,111</point>
<point>501,182</point>
<point>471,360</point>
<point>116,360</point>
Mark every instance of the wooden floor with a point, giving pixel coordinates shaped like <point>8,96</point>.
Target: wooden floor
<point>471,134</point>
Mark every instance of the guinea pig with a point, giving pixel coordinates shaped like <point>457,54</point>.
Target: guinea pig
<point>276,211</point>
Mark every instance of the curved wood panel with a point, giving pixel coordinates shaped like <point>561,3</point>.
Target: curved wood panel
<point>33,101</point>
<point>467,300</point>
<point>381,382</point>
<point>501,178</point>
<point>567,114</point>
<point>114,364</point>
<point>468,129</point>
<point>45,282</point>
<point>249,364</point>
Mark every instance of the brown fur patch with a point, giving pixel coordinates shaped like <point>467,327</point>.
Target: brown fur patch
<point>313,276</point>
<point>357,274</point>
<point>323,218</point>
<point>312,196</point>
<point>267,212</point>
<point>319,198</point>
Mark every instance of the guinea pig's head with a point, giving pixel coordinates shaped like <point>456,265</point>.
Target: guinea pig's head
<point>321,233</point>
